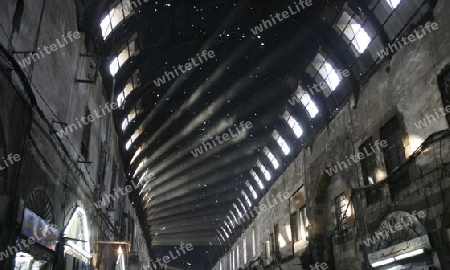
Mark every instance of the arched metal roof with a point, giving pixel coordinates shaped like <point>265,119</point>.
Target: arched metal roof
<point>252,77</point>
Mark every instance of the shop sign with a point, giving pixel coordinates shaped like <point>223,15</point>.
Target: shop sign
<point>40,230</point>
<point>399,249</point>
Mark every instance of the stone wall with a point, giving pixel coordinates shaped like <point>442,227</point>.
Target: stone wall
<point>38,100</point>
<point>404,86</point>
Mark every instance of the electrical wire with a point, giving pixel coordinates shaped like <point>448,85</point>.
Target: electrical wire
<point>31,101</point>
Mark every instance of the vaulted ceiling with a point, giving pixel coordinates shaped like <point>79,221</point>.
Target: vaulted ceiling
<point>250,78</point>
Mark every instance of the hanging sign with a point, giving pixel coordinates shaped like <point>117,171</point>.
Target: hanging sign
<point>399,249</point>
<point>39,230</point>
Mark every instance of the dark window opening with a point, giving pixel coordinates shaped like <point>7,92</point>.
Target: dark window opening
<point>394,156</point>
<point>295,226</point>
<point>86,137</point>
<point>267,250</point>
<point>101,164</point>
<point>276,248</point>
<point>341,207</point>
<point>113,185</point>
<point>369,167</point>
<point>444,87</point>
<point>299,224</point>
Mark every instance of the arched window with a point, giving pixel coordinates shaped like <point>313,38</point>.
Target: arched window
<point>40,204</point>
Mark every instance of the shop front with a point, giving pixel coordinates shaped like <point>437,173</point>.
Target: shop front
<point>77,250</point>
<point>35,247</point>
<point>402,244</point>
<point>416,254</point>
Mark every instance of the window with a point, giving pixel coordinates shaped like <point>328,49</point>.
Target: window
<point>145,197</point>
<point>235,218</point>
<point>221,235</point>
<point>292,122</point>
<point>267,252</point>
<point>341,205</point>
<point>136,154</point>
<point>394,155</point>
<point>230,223</point>
<point>257,179</point>
<point>234,223</point>
<point>129,51</point>
<point>115,17</point>
<point>130,117</point>
<point>308,103</point>
<point>101,163</point>
<point>244,249</point>
<point>234,260</point>
<point>225,232</point>
<point>85,140</point>
<point>237,256</point>
<point>354,32</point>
<point>281,142</point>
<point>252,190</point>
<point>393,3</point>
<point>131,230</point>
<point>300,224</point>
<point>444,87</point>
<point>271,158</point>
<point>140,166</point>
<point>247,199</point>
<point>242,205</point>
<point>263,169</point>
<point>327,71</point>
<point>113,184</point>
<point>276,243</point>
<point>298,220</point>
<point>133,83</point>
<point>133,137</point>
<point>369,167</point>
<point>253,243</point>
<point>295,224</point>
<point>237,210</point>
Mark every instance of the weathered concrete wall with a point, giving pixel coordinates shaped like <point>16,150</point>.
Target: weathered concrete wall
<point>49,163</point>
<point>409,90</point>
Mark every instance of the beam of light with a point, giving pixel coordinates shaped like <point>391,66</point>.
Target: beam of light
<point>221,102</point>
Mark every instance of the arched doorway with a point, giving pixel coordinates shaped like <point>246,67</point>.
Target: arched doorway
<point>77,247</point>
<point>411,228</point>
<point>400,241</point>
